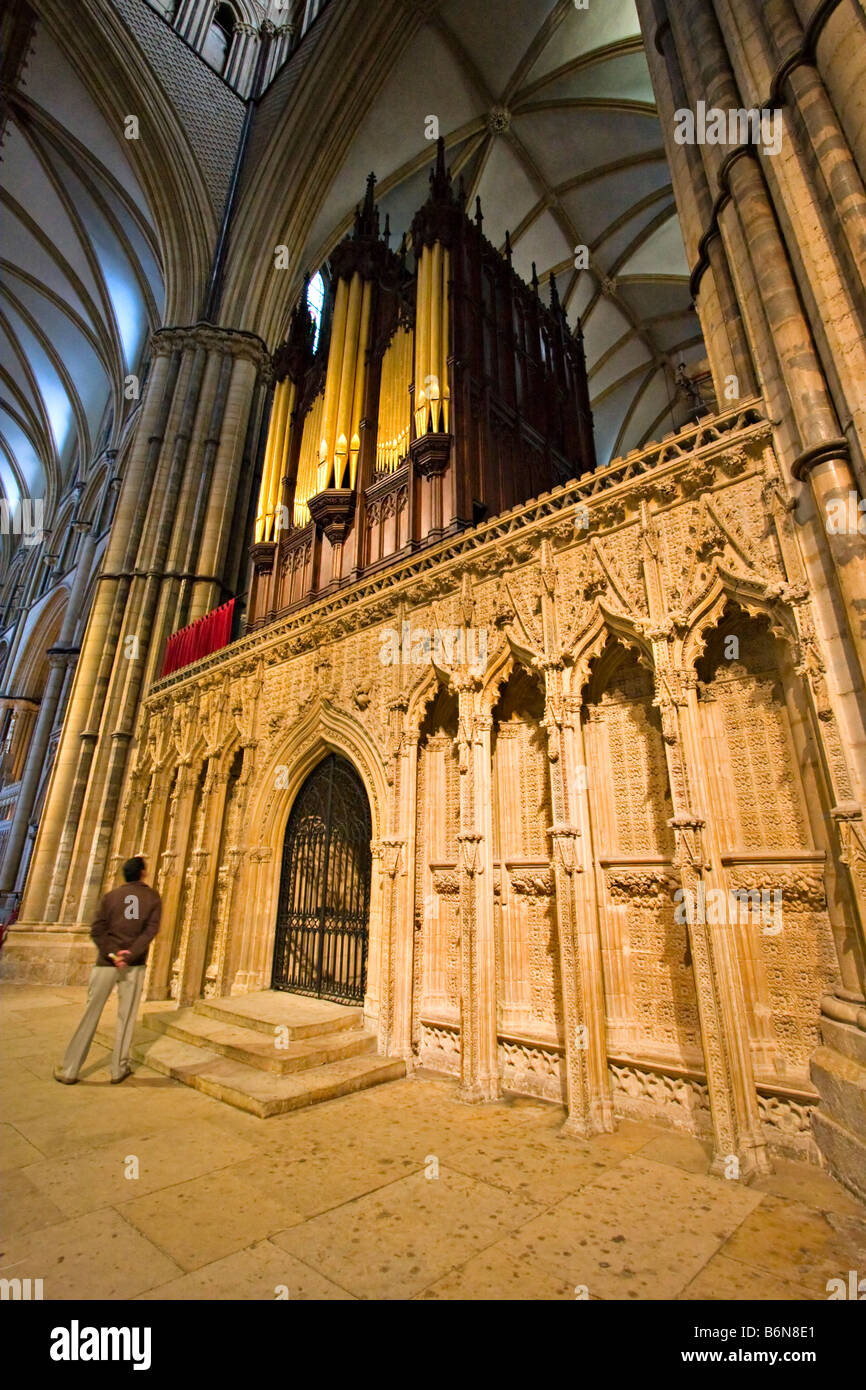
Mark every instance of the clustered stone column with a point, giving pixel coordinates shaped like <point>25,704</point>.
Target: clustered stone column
<point>590,1108</point>
<point>753,224</point>
<point>171,557</point>
<point>775,229</point>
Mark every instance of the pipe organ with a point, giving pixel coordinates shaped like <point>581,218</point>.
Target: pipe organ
<point>443,392</point>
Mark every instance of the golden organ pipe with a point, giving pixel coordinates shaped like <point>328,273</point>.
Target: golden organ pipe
<point>432,393</point>
<point>394,401</point>
<point>421,319</point>
<point>446,393</point>
<point>262,527</point>
<point>360,379</point>
<point>343,432</point>
<point>281,458</point>
<point>266,473</point>
<point>332,383</point>
<point>277,458</point>
<point>308,463</point>
<point>435,322</point>
<point>429,295</point>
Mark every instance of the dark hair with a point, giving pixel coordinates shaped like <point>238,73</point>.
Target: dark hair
<point>132,869</point>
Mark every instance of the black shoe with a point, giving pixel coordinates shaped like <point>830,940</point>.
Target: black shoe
<point>116,1080</point>
<point>65,1080</point>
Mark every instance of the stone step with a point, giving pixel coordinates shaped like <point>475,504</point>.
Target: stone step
<point>257,1049</point>
<point>843,1151</point>
<point>248,1088</point>
<point>268,1009</point>
<point>844,1038</point>
<point>841,1083</point>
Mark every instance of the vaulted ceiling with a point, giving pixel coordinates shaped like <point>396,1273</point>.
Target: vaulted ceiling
<point>548,114</point>
<point>80,278</point>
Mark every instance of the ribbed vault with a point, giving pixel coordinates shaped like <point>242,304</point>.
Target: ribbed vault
<point>81,279</point>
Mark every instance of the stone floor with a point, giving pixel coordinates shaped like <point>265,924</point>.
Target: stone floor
<point>341,1201</point>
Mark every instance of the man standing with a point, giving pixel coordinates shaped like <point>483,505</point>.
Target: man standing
<point>125,925</point>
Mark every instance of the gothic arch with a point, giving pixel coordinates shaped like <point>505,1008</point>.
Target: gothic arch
<point>508,660</point>
<point>605,627</point>
<point>325,730</point>
<point>27,675</point>
<point>422,697</point>
<point>710,612</point>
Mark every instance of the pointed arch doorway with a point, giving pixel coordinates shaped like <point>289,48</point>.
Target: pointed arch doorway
<point>324,902</point>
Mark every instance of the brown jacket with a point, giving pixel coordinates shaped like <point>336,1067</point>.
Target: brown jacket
<point>127,920</point>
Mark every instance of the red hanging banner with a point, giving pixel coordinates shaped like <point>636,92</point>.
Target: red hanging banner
<point>201,638</point>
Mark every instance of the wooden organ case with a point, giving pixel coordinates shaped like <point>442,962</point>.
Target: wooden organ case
<point>443,392</point>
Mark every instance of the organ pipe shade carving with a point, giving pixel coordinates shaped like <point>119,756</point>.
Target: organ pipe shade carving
<point>344,385</point>
<point>276,455</point>
<point>394,405</point>
<point>432,395</point>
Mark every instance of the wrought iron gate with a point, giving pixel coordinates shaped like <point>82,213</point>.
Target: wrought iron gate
<point>322,917</point>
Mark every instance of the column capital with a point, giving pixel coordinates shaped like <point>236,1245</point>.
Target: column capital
<point>232,341</point>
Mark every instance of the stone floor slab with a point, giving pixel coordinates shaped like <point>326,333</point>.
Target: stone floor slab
<point>333,1201</point>
<point>494,1275</point>
<point>393,1243</point>
<point>24,1206</point>
<point>97,1256</point>
<point>723,1278</point>
<point>15,1150</point>
<point>129,1168</point>
<point>796,1244</point>
<point>254,1274</point>
<point>207,1218</point>
<point>641,1230</point>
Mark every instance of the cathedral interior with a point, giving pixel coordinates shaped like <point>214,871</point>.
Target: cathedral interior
<point>433,486</point>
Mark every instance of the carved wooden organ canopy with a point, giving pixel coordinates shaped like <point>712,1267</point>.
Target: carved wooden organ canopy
<point>443,391</point>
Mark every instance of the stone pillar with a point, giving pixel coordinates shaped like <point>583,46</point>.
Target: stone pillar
<point>242,57</point>
<point>24,712</point>
<point>256,949</point>
<point>201,883</point>
<point>390,851</point>
<point>193,20</point>
<point>60,658</point>
<point>220,517</point>
<point>169,880</point>
<point>590,1104</point>
<point>281,47</point>
<point>196,407</point>
<point>590,1109</point>
<point>841,176</point>
<point>227,911</point>
<point>786,349</point>
<point>479,1062</point>
<point>404,920</point>
<point>737,1132</point>
<point>372,996</point>
<point>69,773</point>
<point>712,283</point>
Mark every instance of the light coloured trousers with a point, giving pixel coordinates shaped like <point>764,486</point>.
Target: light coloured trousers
<point>102,981</point>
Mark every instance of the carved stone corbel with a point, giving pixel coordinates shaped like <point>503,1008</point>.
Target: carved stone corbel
<point>470,845</point>
<point>563,839</point>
